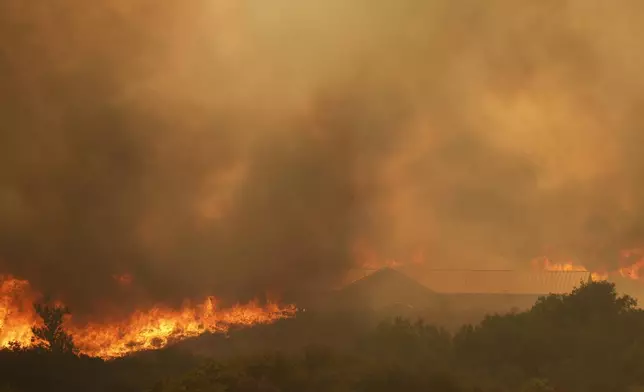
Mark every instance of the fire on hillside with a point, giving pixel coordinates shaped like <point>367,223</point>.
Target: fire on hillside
<point>145,329</point>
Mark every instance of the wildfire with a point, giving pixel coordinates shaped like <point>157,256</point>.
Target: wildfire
<point>382,264</point>
<point>368,259</point>
<point>144,330</point>
<point>548,265</point>
<point>632,268</point>
<point>632,262</point>
<point>16,312</point>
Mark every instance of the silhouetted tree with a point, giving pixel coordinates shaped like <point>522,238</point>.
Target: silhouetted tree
<point>51,334</point>
<point>586,340</point>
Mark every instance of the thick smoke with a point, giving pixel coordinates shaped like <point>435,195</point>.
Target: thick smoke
<point>243,147</point>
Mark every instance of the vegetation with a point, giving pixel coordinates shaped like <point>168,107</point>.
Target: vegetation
<point>51,336</point>
<point>589,340</point>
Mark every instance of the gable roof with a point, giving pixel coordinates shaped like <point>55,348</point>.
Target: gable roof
<point>384,287</point>
<point>354,275</point>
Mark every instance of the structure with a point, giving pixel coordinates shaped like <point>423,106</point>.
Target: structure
<point>454,293</point>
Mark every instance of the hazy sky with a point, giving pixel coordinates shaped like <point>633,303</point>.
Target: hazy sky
<point>238,147</point>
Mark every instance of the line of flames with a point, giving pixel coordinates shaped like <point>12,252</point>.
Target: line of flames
<point>631,270</point>
<point>548,265</point>
<point>144,330</point>
<point>157,327</point>
<point>632,261</point>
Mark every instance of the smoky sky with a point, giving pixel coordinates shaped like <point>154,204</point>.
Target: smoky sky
<point>239,148</point>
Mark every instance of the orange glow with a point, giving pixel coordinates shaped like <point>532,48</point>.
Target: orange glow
<point>366,258</point>
<point>632,268</point>
<point>16,311</point>
<point>548,265</point>
<point>382,264</point>
<point>124,279</point>
<point>144,330</point>
<point>598,277</point>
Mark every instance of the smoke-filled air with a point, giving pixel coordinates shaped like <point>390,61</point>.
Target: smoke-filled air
<point>153,153</point>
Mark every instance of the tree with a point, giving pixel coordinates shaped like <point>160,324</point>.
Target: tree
<point>589,302</point>
<point>586,340</point>
<point>403,341</point>
<point>51,334</point>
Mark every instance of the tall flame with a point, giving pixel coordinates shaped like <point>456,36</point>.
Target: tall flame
<point>143,330</point>
<point>16,311</point>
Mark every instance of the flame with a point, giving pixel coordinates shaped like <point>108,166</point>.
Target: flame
<point>144,330</point>
<point>368,259</point>
<point>160,326</point>
<point>16,311</point>
<point>381,264</point>
<point>633,259</point>
<point>547,265</point>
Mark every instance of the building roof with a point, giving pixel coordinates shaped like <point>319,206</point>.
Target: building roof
<point>384,287</point>
<point>490,281</point>
<point>354,275</point>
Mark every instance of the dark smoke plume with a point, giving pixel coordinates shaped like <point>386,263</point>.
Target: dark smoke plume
<point>242,147</point>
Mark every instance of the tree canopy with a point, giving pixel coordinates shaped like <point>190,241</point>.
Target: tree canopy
<point>51,335</point>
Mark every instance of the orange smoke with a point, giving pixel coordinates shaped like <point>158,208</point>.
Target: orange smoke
<point>631,261</point>
<point>367,258</point>
<point>144,330</point>
<point>124,279</point>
